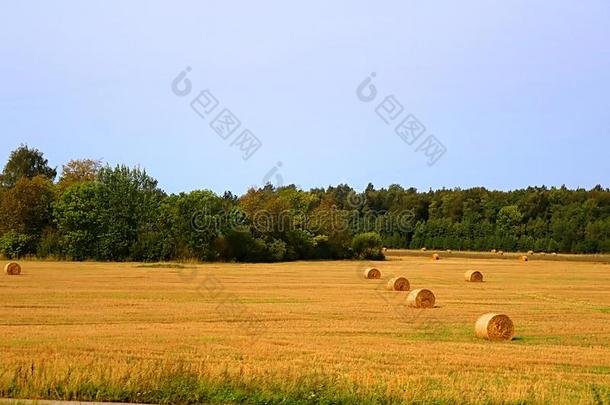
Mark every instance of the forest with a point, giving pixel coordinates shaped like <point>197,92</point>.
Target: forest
<point>92,211</point>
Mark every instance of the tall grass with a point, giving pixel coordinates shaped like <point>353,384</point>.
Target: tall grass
<point>161,382</point>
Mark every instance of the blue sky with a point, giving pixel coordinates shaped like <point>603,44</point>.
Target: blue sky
<point>517,92</point>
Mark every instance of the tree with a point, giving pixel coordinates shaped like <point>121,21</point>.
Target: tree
<point>26,208</point>
<point>26,163</point>
<point>193,221</point>
<point>129,202</point>
<point>77,215</point>
<point>509,219</point>
<point>78,171</point>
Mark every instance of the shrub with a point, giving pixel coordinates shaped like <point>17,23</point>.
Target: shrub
<point>49,244</point>
<point>277,250</point>
<point>368,246</point>
<point>245,248</point>
<point>323,249</point>
<point>15,245</point>
<point>148,247</point>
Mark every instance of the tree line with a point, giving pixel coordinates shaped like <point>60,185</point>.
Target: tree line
<point>92,211</point>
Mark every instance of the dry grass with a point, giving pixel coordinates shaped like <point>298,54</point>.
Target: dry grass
<point>271,326</point>
<point>597,258</point>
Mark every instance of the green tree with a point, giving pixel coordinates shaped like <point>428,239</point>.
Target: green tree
<point>77,214</point>
<point>26,163</point>
<point>129,201</point>
<point>193,221</point>
<point>26,208</point>
<point>509,220</point>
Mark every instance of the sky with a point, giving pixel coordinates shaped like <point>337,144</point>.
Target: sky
<point>505,94</point>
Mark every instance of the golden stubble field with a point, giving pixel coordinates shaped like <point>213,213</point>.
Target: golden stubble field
<point>274,326</point>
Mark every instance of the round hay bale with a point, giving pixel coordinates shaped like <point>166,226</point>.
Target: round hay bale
<point>421,298</point>
<point>398,284</point>
<point>474,276</point>
<point>554,253</point>
<point>494,251</point>
<point>530,252</point>
<point>449,251</point>
<point>384,250</point>
<point>524,258</point>
<point>495,327</point>
<point>436,256</point>
<point>501,253</point>
<point>423,249</point>
<point>12,269</point>
<point>372,274</point>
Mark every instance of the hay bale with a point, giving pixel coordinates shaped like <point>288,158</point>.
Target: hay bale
<point>530,252</point>
<point>501,253</point>
<point>449,251</point>
<point>372,274</point>
<point>12,269</point>
<point>494,327</point>
<point>474,276</point>
<point>421,298</point>
<point>436,256</point>
<point>384,250</point>
<point>554,253</point>
<point>524,258</point>
<point>398,284</point>
<point>423,249</point>
<point>494,251</point>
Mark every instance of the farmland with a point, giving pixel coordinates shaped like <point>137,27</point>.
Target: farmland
<point>306,332</point>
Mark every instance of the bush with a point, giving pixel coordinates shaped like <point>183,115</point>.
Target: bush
<point>368,246</point>
<point>245,248</point>
<point>49,245</point>
<point>300,245</point>
<point>148,247</point>
<point>323,249</point>
<point>15,245</point>
<point>277,250</point>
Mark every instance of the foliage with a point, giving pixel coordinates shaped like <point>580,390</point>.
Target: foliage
<point>128,202</point>
<point>119,213</point>
<point>368,246</point>
<point>26,163</point>
<point>77,215</point>
<point>15,245</point>
<point>26,209</point>
<point>78,171</point>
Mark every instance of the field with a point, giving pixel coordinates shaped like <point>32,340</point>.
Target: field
<point>306,332</point>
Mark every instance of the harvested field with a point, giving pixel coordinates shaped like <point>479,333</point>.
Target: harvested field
<point>293,330</point>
